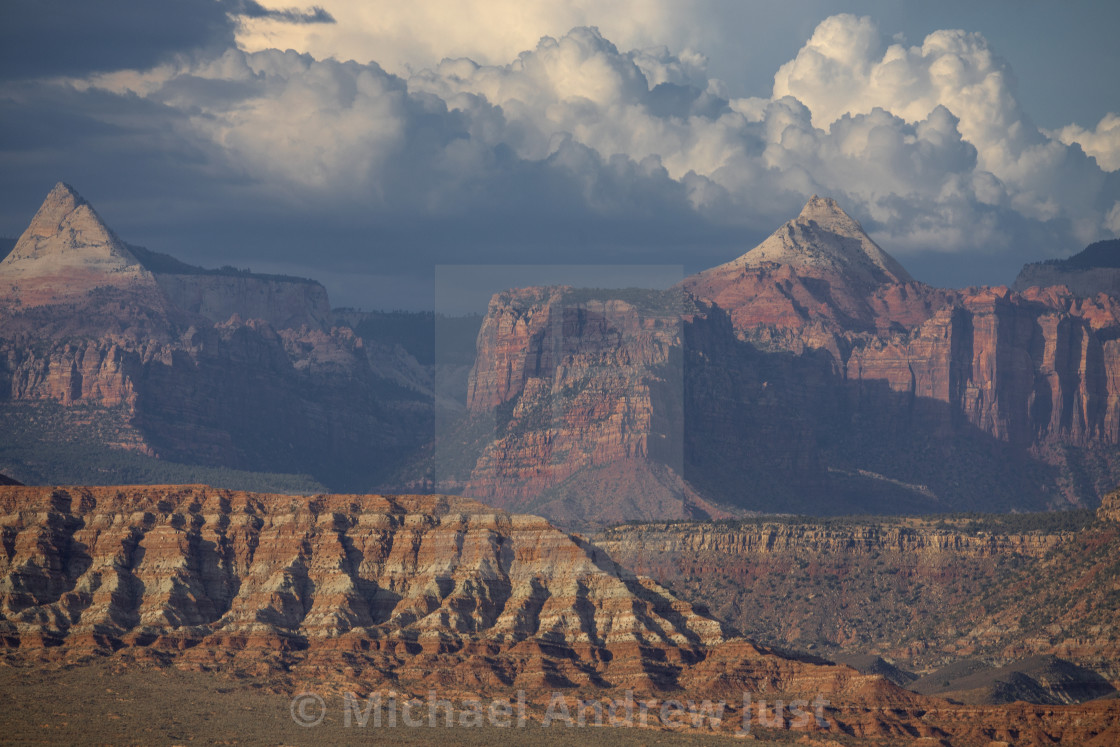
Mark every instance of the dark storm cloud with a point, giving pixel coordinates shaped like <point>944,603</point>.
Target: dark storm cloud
<point>73,37</point>
<point>251,9</point>
<point>434,191</point>
<point>42,38</point>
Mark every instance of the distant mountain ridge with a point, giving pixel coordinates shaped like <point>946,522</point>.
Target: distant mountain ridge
<point>1098,254</point>
<point>67,251</point>
<point>810,374</point>
<point>166,264</point>
<point>1093,270</point>
<point>108,349</point>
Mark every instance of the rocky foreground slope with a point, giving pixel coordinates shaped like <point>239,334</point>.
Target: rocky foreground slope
<point>811,375</point>
<point>412,593</point>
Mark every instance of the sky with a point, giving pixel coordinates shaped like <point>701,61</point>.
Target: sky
<point>368,143</point>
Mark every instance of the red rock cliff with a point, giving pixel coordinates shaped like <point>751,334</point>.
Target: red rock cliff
<point>812,371</point>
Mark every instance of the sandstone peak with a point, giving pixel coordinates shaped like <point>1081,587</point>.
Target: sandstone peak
<point>62,211</point>
<point>823,239</point>
<point>66,251</point>
<point>60,202</point>
<point>827,212</point>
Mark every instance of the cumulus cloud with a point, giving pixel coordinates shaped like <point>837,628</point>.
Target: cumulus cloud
<point>411,35</point>
<point>847,68</point>
<point>1103,143</point>
<point>578,146</point>
<point>929,135</point>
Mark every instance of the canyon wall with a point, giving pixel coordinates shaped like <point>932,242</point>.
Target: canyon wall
<point>236,394</point>
<point>810,375</point>
<point>1041,367</point>
<point>997,401</point>
<point>570,385</point>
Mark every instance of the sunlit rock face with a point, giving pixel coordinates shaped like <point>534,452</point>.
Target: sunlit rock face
<point>1027,368</point>
<point>402,582</point>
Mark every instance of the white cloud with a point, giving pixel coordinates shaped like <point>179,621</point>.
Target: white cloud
<point>420,33</point>
<point>909,155</point>
<point>846,69</point>
<point>1103,143</point>
<point>927,144</point>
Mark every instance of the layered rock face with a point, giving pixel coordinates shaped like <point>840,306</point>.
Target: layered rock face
<point>410,594</point>
<point>1025,368</point>
<point>190,366</point>
<point>401,582</point>
<point>843,587</point>
<point>815,375</point>
<point>778,538</point>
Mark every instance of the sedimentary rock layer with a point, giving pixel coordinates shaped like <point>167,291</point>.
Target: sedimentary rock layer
<point>414,595</point>
<point>209,574</point>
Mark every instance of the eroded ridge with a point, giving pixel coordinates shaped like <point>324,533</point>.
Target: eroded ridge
<point>208,575</point>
